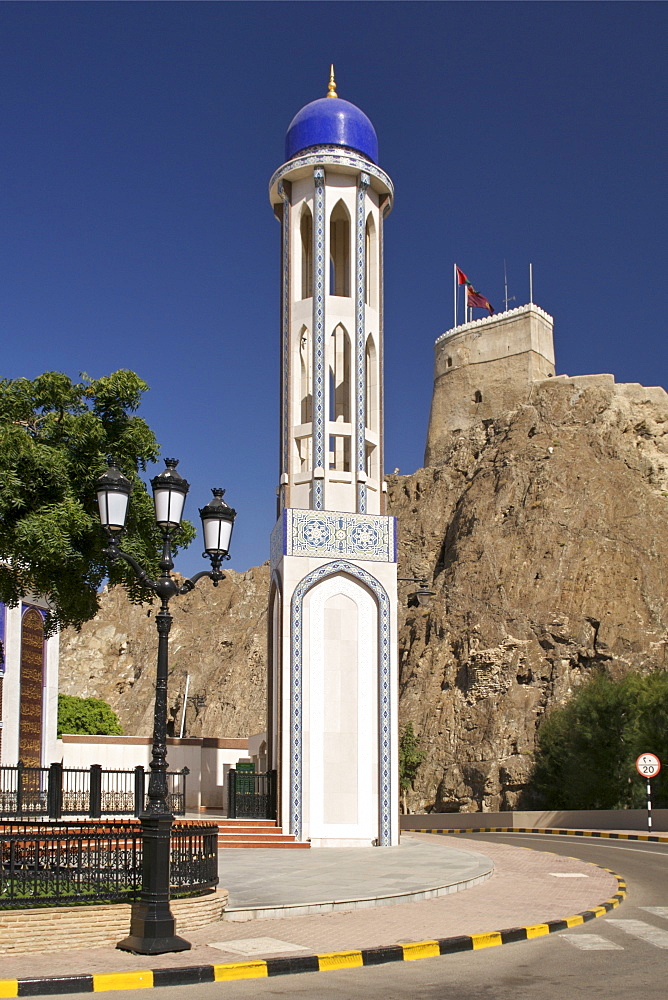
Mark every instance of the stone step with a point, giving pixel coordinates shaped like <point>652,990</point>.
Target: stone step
<point>273,845</point>
<point>242,824</point>
<point>267,838</point>
<point>255,833</point>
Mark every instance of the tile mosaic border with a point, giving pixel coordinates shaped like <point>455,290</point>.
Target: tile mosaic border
<point>335,156</point>
<point>319,357</point>
<point>360,342</point>
<point>285,343</point>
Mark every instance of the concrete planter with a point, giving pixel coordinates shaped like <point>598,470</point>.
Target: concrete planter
<point>47,929</point>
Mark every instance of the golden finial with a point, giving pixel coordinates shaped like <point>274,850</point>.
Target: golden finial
<point>331,90</point>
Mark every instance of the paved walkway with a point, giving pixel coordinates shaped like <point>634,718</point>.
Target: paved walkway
<point>290,883</point>
<point>527,887</point>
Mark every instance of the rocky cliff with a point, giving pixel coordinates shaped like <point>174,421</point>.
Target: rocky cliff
<point>218,636</point>
<point>543,533</point>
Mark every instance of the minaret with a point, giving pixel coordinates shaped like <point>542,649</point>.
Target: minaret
<point>333,675</point>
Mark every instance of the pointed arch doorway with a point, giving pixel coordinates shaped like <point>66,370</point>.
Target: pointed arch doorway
<point>340,774</point>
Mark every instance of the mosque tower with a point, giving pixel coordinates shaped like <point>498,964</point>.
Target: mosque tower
<point>332,705</point>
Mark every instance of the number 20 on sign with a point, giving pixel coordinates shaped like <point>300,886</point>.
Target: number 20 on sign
<point>648,765</point>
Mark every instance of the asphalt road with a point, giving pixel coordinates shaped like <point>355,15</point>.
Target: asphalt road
<point>621,956</point>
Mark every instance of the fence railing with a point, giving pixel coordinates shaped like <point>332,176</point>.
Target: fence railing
<point>65,864</point>
<point>251,796</point>
<point>58,791</point>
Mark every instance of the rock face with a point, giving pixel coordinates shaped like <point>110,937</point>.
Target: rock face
<point>543,534</point>
<point>218,636</point>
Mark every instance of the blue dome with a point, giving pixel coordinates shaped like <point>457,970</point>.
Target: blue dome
<point>331,121</point>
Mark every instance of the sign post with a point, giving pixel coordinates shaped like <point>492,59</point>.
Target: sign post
<point>648,766</point>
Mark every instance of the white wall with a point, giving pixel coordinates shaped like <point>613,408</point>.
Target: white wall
<point>257,751</point>
<point>208,760</point>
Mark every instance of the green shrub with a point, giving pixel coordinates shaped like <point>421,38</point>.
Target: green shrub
<point>86,716</point>
<point>586,751</point>
<point>410,758</point>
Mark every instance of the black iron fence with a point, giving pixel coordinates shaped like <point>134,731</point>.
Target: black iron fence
<point>58,791</point>
<point>251,796</point>
<point>45,864</point>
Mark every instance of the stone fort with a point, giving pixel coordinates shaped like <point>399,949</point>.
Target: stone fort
<point>486,367</point>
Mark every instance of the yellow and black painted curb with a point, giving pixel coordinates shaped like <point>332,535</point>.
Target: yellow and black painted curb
<point>327,962</point>
<point>655,839</point>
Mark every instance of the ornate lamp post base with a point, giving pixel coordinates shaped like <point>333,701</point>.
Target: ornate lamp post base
<point>152,925</point>
<point>140,945</point>
<point>154,939</point>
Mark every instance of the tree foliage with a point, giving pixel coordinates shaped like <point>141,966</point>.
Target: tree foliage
<point>587,749</point>
<point>55,436</point>
<point>410,755</point>
<point>410,758</point>
<point>86,716</point>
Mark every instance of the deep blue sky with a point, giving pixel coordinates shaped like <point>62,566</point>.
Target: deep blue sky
<point>138,140</point>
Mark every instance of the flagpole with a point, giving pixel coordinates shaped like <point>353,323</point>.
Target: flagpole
<point>531,283</point>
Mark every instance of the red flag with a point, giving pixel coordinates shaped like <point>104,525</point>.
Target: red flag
<point>473,298</point>
<point>477,300</point>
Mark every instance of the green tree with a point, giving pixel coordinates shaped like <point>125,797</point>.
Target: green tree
<point>410,758</point>
<point>86,716</point>
<point>55,436</point>
<point>587,750</point>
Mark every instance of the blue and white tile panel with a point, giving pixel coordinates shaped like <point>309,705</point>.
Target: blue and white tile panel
<point>285,339</point>
<point>360,340</point>
<point>332,534</point>
<point>319,355</point>
<point>385,775</point>
<point>381,325</point>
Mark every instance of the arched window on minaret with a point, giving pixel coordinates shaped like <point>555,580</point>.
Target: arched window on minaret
<point>306,230</point>
<point>306,398</point>
<point>306,368</point>
<point>371,260</point>
<point>372,409</point>
<point>339,398</point>
<point>339,251</point>
<point>371,400</point>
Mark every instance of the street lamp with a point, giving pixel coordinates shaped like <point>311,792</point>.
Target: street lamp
<point>419,598</point>
<point>152,929</point>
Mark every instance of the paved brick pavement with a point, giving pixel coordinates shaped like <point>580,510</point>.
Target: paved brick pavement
<point>332,877</point>
<point>524,889</point>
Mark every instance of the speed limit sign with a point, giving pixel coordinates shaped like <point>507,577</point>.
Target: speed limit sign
<point>648,765</point>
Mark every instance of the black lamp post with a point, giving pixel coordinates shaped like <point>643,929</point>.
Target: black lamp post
<point>152,929</point>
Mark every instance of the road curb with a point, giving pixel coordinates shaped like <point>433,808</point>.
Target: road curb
<point>324,962</point>
<point>652,838</point>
